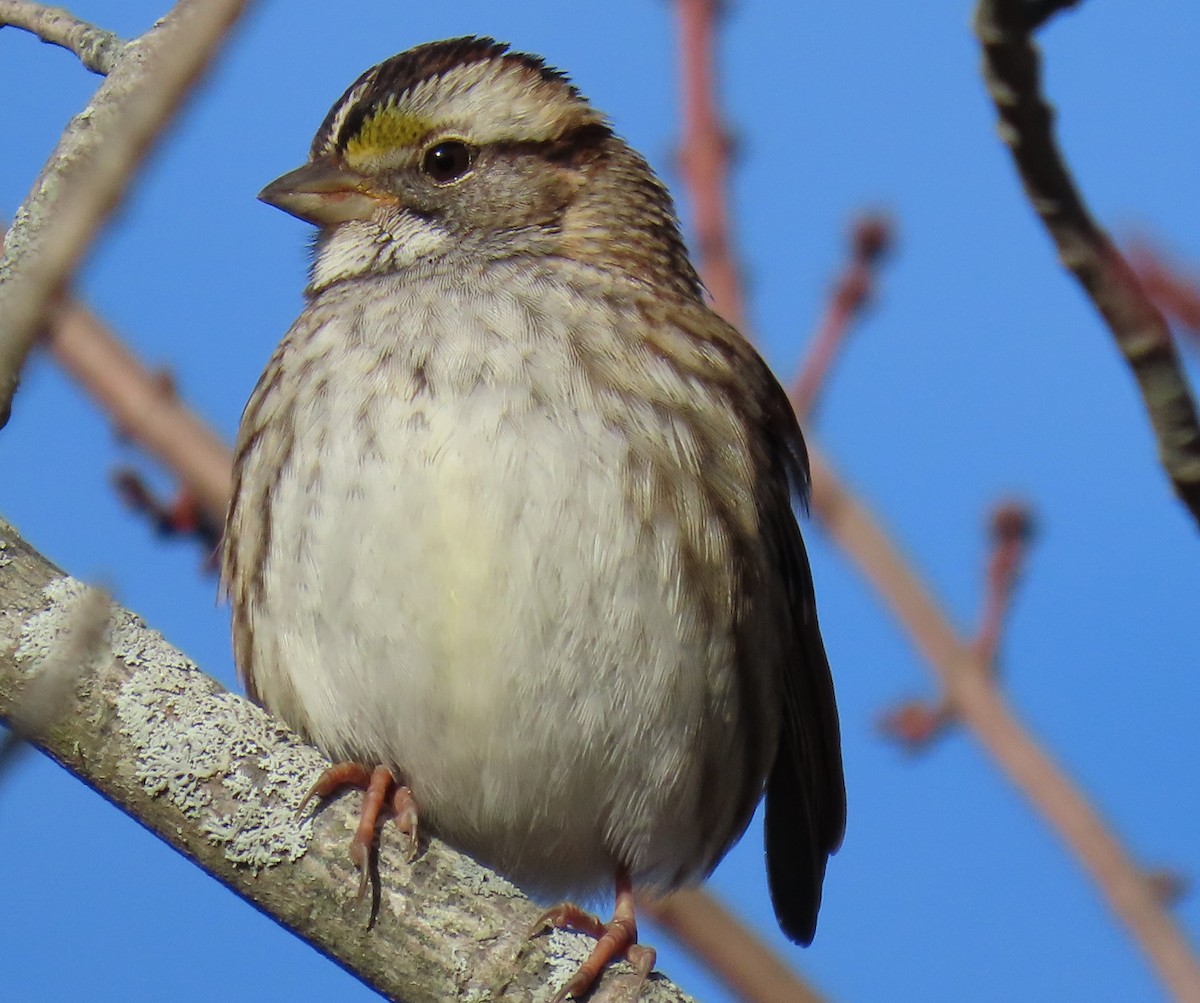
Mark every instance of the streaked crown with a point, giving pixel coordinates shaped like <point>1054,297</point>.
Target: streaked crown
<point>470,87</point>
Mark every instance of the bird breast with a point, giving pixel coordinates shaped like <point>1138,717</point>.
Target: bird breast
<point>489,570</point>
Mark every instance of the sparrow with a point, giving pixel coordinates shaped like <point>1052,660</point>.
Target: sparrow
<point>513,536</point>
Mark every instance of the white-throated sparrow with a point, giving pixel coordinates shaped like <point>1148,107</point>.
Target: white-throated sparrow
<point>513,508</point>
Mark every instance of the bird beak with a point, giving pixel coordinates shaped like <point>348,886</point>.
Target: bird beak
<point>323,193</point>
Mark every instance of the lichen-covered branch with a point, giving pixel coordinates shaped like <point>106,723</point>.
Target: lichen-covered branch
<point>1012,71</point>
<point>50,688</point>
<point>220,780</point>
<point>96,48</point>
<point>93,166</point>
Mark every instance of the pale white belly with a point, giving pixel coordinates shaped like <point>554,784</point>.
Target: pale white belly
<point>458,587</point>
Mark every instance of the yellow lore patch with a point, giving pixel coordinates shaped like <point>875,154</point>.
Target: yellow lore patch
<point>386,129</point>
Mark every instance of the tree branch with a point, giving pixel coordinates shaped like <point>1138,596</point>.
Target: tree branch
<point>971,693</point>
<point>141,408</point>
<point>1012,71</point>
<point>731,950</point>
<point>220,780</point>
<point>916,723</point>
<point>92,167</point>
<point>96,48</point>
<point>704,153</point>
<point>870,239</point>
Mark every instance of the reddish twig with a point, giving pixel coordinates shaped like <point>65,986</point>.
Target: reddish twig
<point>143,407</point>
<point>870,238</point>
<point>915,723</point>
<point>704,154</point>
<point>182,516</point>
<point>732,951</point>
<point>1175,293</point>
<point>978,704</point>
<point>1011,532</point>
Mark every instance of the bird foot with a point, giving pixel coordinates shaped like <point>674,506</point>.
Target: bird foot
<point>380,787</point>
<point>614,939</point>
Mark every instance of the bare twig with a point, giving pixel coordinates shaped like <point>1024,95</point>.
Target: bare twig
<point>142,409</point>
<point>1176,293</point>
<point>1011,532</point>
<point>1011,68</point>
<point>96,48</point>
<point>870,238</point>
<point>732,951</point>
<point>704,156</point>
<point>92,167</point>
<point>143,406</point>
<point>915,723</point>
<point>181,517</point>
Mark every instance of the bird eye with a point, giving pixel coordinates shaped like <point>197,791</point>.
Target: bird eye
<point>448,161</point>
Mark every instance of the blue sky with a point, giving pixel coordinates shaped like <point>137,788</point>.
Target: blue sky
<point>981,373</point>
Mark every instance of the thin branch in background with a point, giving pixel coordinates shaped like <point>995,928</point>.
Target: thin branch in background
<point>733,952</point>
<point>94,164</point>
<point>704,154</point>
<point>1011,530</point>
<point>977,703</point>
<point>143,408</point>
<point>915,723</point>
<point>1012,71</point>
<point>181,517</point>
<point>97,49</point>
<point>1175,292</point>
<point>46,695</point>
<point>871,237</point>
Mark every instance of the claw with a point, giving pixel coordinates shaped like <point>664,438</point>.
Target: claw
<point>377,785</point>
<point>404,811</point>
<point>614,939</point>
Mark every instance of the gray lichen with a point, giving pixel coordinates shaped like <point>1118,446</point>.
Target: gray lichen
<point>44,634</point>
<point>217,758</point>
